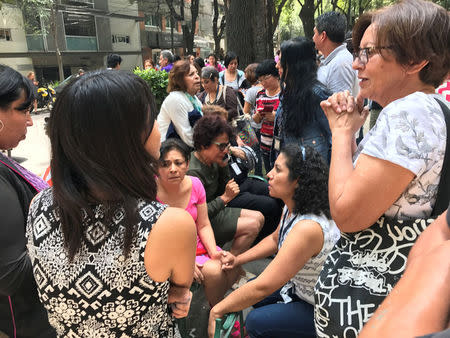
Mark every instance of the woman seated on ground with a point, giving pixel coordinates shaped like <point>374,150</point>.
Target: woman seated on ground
<point>181,108</point>
<point>177,189</point>
<point>102,248</point>
<point>282,294</point>
<point>217,94</point>
<point>253,193</point>
<point>209,163</point>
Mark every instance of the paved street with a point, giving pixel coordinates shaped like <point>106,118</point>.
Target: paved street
<point>34,152</point>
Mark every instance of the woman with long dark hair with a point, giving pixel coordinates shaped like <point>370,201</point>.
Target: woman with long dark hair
<point>104,251</point>
<point>300,119</point>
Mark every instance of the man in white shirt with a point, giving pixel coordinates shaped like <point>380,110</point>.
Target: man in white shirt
<point>335,69</point>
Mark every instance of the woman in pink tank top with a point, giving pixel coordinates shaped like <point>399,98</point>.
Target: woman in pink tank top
<point>177,189</point>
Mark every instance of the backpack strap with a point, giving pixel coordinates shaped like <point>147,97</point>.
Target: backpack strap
<point>443,194</point>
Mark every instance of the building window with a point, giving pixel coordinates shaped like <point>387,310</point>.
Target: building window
<point>152,20</point>
<point>117,38</point>
<point>5,34</point>
<point>169,22</point>
<point>79,24</point>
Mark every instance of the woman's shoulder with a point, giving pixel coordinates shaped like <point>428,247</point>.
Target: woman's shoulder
<point>417,105</point>
<point>175,95</point>
<point>173,220</point>
<point>175,99</point>
<point>329,228</point>
<point>196,183</point>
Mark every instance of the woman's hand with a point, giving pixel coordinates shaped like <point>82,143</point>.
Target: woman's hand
<point>236,152</point>
<point>180,300</point>
<point>270,117</point>
<point>257,117</point>
<point>228,260</point>
<point>344,112</point>
<point>198,276</point>
<point>231,191</point>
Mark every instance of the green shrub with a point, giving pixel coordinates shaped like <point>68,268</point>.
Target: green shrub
<point>158,82</point>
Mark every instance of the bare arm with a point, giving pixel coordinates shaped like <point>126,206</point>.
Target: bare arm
<point>247,108</point>
<point>172,241</point>
<point>420,302</point>
<point>303,241</point>
<point>435,234</point>
<point>358,196</point>
<point>205,231</point>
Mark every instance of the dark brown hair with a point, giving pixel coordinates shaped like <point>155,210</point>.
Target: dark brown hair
<point>176,76</point>
<point>417,30</point>
<point>208,128</point>
<point>98,129</point>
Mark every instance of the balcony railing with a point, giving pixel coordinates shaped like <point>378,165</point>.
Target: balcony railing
<point>35,42</point>
<point>88,43</point>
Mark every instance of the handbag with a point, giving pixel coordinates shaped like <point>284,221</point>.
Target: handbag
<point>364,266</point>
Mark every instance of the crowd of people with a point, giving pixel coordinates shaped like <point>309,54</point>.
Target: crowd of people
<point>144,201</point>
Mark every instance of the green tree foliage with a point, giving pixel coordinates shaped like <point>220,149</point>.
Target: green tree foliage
<point>157,81</point>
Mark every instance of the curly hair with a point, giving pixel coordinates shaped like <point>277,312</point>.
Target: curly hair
<point>311,194</point>
<point>208,128</point>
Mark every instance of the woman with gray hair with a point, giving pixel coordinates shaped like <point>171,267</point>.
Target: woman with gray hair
<point>396,169</point>
<point>217,94</point>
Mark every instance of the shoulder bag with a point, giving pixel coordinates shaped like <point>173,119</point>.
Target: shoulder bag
<point>364,266</point>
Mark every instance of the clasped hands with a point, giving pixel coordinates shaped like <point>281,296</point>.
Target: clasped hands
<point>343,111</point>
<point>227,260</point>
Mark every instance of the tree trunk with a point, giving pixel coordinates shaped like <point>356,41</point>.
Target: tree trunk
<point>307,17</point>
<point>240,30</point>
<point>188,32</point>
<point>261,31</point>
<point>54,28</point>
<point>218,30</point>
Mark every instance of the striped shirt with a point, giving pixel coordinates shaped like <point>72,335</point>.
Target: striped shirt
<point>266,105</point>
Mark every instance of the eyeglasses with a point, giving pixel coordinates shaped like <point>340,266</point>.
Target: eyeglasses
<point>222,146</point>
<point>167,164</point>
<point>264,77</point>
<point>363,54</point>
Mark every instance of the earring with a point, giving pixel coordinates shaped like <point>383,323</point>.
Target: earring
<point>2,125</point>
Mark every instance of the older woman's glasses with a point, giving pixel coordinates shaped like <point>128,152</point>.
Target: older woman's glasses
<point>363,54</point>
<point>222,146</point>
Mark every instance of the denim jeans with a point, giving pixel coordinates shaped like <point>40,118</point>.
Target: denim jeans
<point>271,319</point>
<point>258,166</point>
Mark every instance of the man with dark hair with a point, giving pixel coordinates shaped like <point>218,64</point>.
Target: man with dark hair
<point>113,61</point>
<point>166,60</point>
<point>335,69</point>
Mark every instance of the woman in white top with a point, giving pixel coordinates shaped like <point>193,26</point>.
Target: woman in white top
<point>181,108</point>
<point>397,167</point>
<point>283,294</point>
<point>231,76</point>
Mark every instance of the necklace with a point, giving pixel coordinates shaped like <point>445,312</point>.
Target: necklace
<point>208,98</point>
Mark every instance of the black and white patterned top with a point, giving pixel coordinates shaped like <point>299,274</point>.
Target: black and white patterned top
<point>99,294</point>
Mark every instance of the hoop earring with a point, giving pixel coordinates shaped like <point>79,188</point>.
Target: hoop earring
<point>2,126</point>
